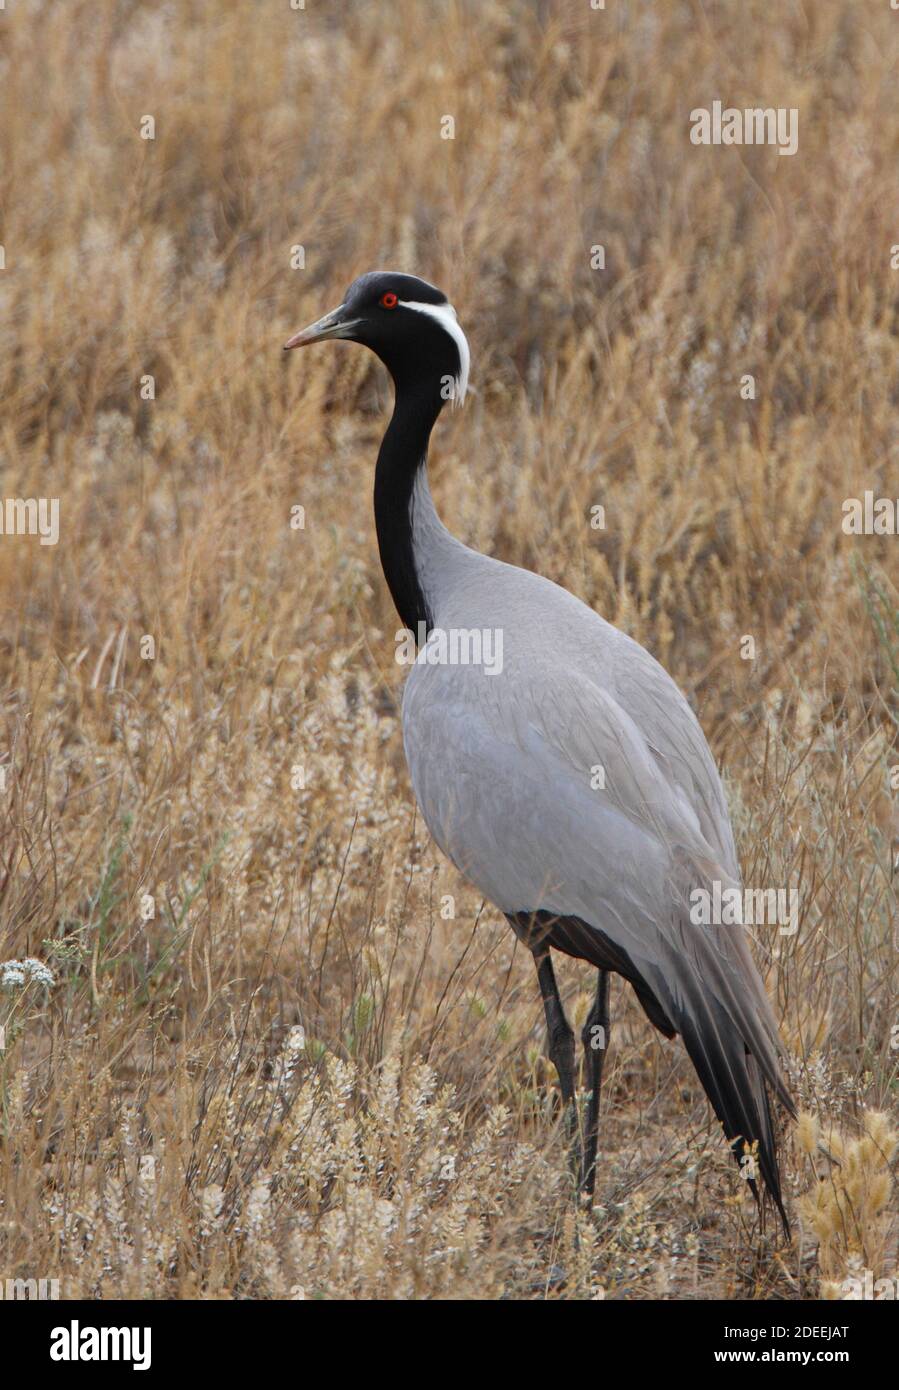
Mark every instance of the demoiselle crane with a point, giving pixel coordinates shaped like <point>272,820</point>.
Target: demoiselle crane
<point>573,786</point>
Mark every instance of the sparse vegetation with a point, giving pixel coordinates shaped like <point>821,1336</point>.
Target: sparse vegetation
<point>272,1063</point>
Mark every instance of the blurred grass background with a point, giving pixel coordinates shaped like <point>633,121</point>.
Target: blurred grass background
<point>293,1071</point>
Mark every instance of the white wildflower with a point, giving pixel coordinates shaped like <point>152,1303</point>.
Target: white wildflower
<point>15,974</point>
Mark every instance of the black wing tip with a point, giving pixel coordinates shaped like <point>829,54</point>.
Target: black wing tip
<point>733,1081</point>
<point>771,1180</point>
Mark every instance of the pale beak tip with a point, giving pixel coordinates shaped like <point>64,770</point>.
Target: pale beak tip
<point>329,326</point>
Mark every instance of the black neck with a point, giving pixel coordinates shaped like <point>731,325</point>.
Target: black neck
<point>403,453</point>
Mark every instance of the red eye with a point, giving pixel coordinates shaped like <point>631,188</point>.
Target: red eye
<point>388,300</point>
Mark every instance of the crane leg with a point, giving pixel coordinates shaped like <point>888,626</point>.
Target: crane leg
<point>561,1037</point>
<point>595,1037</point>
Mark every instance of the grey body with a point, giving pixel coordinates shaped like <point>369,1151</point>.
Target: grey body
<point>502,765</point>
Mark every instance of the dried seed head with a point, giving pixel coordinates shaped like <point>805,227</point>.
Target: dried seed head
<point>807,1132</point>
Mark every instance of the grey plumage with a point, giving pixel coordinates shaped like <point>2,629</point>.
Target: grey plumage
<point>501,767</point>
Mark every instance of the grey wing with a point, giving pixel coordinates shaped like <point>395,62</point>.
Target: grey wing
<point>674,736</point>
<point>506,773</point>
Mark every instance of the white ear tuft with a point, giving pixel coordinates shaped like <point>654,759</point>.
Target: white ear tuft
<point>445,315</point>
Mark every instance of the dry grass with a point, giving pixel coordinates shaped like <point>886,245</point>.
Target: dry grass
<point>167,1131</point>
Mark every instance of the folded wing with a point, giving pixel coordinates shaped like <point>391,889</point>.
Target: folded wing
<point>596,802</point>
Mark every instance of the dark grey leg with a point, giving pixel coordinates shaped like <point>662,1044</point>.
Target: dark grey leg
<point>595,1037</point>
<point>561,1038</point>
<point>561,1053</point>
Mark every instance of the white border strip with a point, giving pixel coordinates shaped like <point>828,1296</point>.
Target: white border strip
<point>445,315</point>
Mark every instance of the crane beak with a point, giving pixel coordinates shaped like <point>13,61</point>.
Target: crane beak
<point>332,325</point>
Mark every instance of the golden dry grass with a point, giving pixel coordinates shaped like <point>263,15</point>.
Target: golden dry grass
<point>167,1131</point>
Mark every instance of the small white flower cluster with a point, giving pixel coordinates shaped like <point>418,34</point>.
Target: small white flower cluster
<point>16,974</point>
